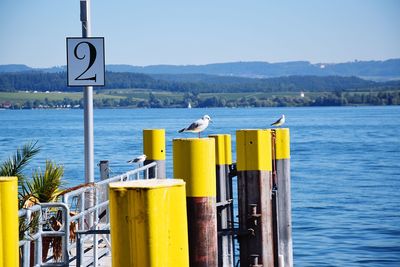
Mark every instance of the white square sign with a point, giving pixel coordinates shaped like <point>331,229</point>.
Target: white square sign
<point>85,61</point>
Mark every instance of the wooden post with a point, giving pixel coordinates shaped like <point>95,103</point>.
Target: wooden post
<point>9,247</point>
<point>148,223</point>
<point>194,162</point>
<point>154,149</point>
<point>282,163</point>
<point>223,158</point>
<point>254,166</point>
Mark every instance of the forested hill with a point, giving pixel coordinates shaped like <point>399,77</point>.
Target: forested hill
<point>373,70</point>
<point>44,81</point>
<point>370,70</point>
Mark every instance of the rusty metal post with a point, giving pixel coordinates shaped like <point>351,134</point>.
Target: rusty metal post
<point>194,162</point>
<point>223,158</point>
<point>254,167</point>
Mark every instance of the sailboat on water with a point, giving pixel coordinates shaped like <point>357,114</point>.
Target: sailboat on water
<point>189,105</point>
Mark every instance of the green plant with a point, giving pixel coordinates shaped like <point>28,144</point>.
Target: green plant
<point>44,186</point>
<point>15,165</point>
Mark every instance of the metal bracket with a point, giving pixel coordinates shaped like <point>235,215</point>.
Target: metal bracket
<point>224,203</point>
<point>253,215</point>
<point>232,170</point>
<point>254,260</point>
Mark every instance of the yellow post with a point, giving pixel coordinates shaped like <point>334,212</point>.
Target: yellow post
<point>254,166</point>
<point>154,149</point>
<point>282,143</point>
<point>194,162</point>
<point>284,214</point>
<point>9,222</point>
<point>252,147</point>
<point>223,149</point>
<point>148,223</point>
<point>223,160</point>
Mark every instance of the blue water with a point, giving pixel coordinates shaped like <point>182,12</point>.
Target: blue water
<point>345,166</point>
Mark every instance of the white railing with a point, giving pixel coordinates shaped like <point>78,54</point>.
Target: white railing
<point>77,216</point>
<point>34,235</point>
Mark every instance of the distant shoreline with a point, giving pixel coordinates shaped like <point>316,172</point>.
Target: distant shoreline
<point>146,98</point>
<point>127,108</point>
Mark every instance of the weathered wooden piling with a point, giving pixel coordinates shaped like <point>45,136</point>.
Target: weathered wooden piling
<point>9,247</point>
<point>154,149</point>
<point>148,223</point>
<point>254,167</point>
<point>223,158</point>
<point>281,137</point>
<point>194,162</point>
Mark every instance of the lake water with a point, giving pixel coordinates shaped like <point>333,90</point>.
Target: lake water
<point>345,166</point>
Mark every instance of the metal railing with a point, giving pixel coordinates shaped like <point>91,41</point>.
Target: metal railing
<point>34,235</point>
<point>76,218</point>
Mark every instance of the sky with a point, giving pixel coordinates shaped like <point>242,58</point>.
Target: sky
<point>182,32</point>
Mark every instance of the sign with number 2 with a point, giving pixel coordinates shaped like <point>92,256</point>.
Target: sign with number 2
<point>85,61</point>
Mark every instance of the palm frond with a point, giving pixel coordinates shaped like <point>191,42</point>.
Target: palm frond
<point>45,186</point>
<point>15,165</point>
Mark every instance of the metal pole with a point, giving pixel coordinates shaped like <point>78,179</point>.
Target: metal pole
<point>88,112</point>
<point>104,169</point>
<point>102,192</point>
<point>88,122</point>
<point>88,101</point>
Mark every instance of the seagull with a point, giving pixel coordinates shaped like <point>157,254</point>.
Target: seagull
<point>197,126</point>
<point>279,122</point>
<point>138,160</point>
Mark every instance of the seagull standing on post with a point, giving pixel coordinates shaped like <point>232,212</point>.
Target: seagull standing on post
<point>197,126</point>
<point>279,122</point>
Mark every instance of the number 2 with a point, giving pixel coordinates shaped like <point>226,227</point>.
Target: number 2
<point>92,59</point>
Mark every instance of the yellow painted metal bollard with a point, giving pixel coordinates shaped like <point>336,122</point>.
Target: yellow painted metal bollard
<point>223,159</point>
<point>148,223</point>
<point>254,168</point>
<point>284,214</point>
<point>9,247</point>
<point>154,149</point>
<point>194,161</point>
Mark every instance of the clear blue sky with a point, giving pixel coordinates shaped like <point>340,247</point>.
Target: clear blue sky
<point>181,32</point>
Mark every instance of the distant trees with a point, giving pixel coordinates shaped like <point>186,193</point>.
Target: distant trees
<point>219,100</point>
<point>208,91</point>
<point>41,81</point>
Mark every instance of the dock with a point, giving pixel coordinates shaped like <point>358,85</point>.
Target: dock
<point>197,208</point>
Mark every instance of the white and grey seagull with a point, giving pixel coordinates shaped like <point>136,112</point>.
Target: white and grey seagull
<point>279,122</point>
<point>197,126</point>
<point>138,160</point>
